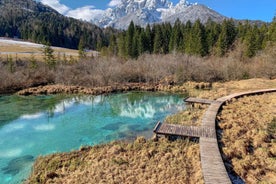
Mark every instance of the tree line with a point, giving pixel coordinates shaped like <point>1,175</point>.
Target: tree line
<point>35,22</point>
<point>191,38</point>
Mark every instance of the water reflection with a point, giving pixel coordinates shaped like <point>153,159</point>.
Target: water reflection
<point>13,107</point>
<point>145,106</point>
<point>47,124</point>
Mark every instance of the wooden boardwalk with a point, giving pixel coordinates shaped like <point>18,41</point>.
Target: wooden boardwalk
<point>198,100</point>
<point>181,130</point>
<point>212,164</point>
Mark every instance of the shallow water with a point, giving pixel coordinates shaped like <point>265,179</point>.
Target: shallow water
<point>40,125</point>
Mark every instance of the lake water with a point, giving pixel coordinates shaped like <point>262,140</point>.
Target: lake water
<point>41,125</point>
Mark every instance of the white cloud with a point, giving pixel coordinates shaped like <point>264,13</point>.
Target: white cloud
<point>55,4</point>
<point>85,13</point>
<point>114,3</point>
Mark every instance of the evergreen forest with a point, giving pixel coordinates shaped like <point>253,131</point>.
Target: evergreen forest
<point>32,21</point>
<point>192,38</point>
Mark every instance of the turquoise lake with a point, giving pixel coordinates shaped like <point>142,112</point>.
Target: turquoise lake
<point>40,125</point>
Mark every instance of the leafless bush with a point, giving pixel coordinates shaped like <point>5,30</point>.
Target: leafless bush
<point>104,71</point>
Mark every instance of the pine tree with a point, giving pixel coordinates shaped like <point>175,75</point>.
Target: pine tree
<point>48,56</point>
<point>172,44</point>
<point>226,37</point>
<point>135,47</point>
<point>272,31</point>
<point>81,50</point>
<point>166,35</point>
<point>260,37</point>
<point>113,47</point>
<point>250,42</point>
<point>213,30</point>
<point>158,40</point>
<point>100,43</point>
<point>196,42</point>
<point>253,41</point>
<point>187,37</point>
<point>264,30</point>
<point>122,52</point>
<point>222,44</point>
<point>11,65</point>
<point>149,39</point>
<point>199,44</point>
<point>152,37</point>
<point>143,43</point>
<point>242,29</point>
<point>176,37</point>
<point>129,39</point>
<point>33,62</point>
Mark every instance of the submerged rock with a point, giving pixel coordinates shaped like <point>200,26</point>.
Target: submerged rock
<point>17,164</point>
<point>114,126</point>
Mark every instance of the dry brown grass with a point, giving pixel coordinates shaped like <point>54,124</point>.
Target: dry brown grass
<point>220,89</point>
<point>176,162</point>
<point>193,115</point>
<point>26,52</point>
<point>139,162</point>
<point>249,137</point>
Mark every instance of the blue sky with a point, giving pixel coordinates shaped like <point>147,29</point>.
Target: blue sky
<point>239,9</point>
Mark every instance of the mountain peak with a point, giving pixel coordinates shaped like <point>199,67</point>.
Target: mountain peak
<point>143,12</point>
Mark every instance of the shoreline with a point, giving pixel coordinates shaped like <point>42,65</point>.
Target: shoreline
<point>194,89</point>
<point>82,90</point>
<point>59,88</point>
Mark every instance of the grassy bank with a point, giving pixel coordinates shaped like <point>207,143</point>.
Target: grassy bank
<point>161,161</point>
<point>139,162</point>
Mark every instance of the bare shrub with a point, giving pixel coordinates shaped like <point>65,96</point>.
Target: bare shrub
<point>175,68</point>
<point>264,65</point>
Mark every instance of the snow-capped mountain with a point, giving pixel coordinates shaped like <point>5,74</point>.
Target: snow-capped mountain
<point>143,12</point>
<point>192,13</point>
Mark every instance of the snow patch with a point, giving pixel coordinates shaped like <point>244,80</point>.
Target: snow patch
<point>4,41</point>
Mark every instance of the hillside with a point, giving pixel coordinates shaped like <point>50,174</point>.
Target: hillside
<point>22,50</point>
<point>30,20</point>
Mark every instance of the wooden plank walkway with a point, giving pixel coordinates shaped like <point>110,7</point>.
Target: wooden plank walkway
<point>198,100</point>
<point>187,131</point>
<point>214,171</point>
<point>212,164</point>
<point>213,168</point>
